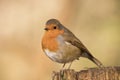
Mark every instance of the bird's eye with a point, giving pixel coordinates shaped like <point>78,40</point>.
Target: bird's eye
<point>55,27</point>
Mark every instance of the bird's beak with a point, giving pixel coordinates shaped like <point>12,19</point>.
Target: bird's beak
<point>46,29</point>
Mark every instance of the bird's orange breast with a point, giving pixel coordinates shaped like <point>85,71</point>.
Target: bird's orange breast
<point>50,44</point>
<point>49,40</point>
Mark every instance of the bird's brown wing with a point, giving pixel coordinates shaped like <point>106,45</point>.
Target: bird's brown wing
<point>76,42</point>
<point>71,38</point>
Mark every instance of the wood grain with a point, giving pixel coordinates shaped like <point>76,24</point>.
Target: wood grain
<point>106,73</point>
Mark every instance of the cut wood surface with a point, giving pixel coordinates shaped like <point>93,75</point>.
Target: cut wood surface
<point>106,73</point>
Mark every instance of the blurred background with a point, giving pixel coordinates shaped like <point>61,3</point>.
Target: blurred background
<point>95,23</point>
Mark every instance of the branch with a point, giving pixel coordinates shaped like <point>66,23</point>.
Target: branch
<point>107,73</point>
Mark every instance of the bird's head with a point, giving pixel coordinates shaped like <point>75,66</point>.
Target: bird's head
<point>53,28</point>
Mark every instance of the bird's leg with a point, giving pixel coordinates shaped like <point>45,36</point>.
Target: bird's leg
<point>70,65</point>
<point>63,66</point>
<point>62,71</point>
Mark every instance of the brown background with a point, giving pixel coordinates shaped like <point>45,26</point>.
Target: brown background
<point>95,23</point>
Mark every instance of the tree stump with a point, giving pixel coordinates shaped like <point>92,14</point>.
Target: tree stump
<point>106,73</point>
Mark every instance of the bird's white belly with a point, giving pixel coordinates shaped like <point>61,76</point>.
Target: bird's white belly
<point>52,55</point>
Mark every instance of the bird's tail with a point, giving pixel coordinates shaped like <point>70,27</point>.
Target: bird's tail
<point>96,61</point>
<point>93,59</point>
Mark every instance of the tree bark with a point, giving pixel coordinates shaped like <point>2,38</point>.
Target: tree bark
<point>106,73</point>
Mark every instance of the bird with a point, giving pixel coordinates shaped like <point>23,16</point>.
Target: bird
<point>62,46</point>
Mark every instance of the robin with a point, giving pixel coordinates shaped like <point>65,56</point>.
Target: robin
<point>62,46</point>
